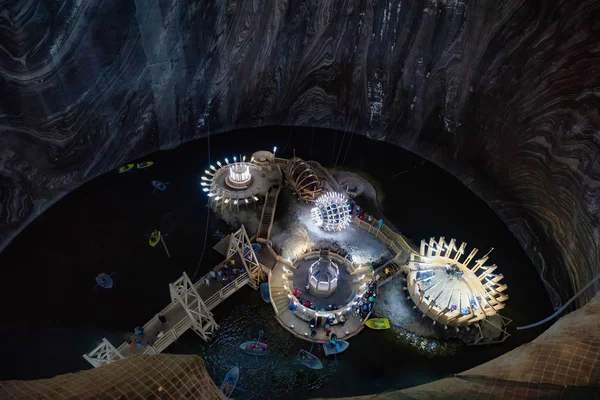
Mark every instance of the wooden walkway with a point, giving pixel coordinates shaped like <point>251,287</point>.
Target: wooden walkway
<point>190,307</point>
<point>268,215</point>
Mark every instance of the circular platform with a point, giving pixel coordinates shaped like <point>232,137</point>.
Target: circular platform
<point>231,185</point>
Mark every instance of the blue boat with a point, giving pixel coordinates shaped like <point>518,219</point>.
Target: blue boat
<point>158,185</point>
<point>104,280</point>
<point>264,292</point>
<point>339,346</point>
<point>230,382</point>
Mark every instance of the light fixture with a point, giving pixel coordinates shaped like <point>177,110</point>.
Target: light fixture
<point>219,164</point>
<point>274,149</point>
<point>205,189</point>
<point>205,179</point>
<point>227,200</point>
<point>213,168</point>
<point>226,161</point>
<point>252,159</point>
<point>255,198</point>
<point>211,194</point>
<point>234,159</point>
<point>217,197</point>
<point>235,202</point>
<point>203,183</point>
<point>207,172</point>
<point>246,201</point>
<point>244,158</point>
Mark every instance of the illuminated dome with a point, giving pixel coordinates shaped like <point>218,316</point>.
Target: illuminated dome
<point>239,175</point>
<point>332,212</point>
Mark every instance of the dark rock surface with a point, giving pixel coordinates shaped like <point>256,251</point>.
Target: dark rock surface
<point>504,94</point>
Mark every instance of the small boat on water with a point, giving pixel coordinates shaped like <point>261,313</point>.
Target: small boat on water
<point>230,381</point>
<point>338,347</point>
<point>104,280</point>
<point>144,164</point>
<point>378,323</point>
<point>154,238</point>
<point>264,292</point>
<point>254,348</point>
<point>309,360</point>
<point>158,185</point>
<point>126,168</point>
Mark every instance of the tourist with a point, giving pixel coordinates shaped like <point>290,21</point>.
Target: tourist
<point>207,282</point>
<point>213,275</point>
<point>232,262</point>
<point>387,271</point>
<point>342,320</point>
<point>162,319</point>
<point>296,292</point>
<point>139,331</point>
<point>220,273</point>
<point>306,288</point>
<point>160,334</point>
<point>370,218</point>
<point>312,323</point>
<point>313,333</point>
<point>327,332</point>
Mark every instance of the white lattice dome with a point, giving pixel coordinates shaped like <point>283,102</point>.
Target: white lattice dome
<point>332,212</point>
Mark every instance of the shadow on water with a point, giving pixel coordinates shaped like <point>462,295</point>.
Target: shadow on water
<point>53,316</point>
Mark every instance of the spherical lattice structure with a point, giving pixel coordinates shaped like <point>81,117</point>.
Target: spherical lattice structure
<point>303,179</point>
<point>332,212</point>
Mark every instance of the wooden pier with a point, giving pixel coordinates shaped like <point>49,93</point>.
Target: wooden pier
<point>188,308</point>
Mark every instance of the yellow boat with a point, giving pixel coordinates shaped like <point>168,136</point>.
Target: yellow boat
<point>378,323</point>
<point>126,168</point>
<point>154,238</point>
<point>144,164</point>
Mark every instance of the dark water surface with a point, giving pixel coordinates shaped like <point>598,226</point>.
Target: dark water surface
<point>52,316</point>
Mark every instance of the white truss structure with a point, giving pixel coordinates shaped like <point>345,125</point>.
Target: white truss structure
<point>240,244</point>
<point>184,291</point>
<point>104,353</point>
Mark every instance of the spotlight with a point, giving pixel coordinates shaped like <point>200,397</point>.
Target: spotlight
<point>246,201</point>
<point>213,168</point>
<point>227,200</point>
<point>203,183</point>
<point>211,194</point>
<point>226,161</point>
<point>234,159</point>
<point>235,202</point>
<point>244,158</point>
<point>274,149</point>
<point>217,197</point>
<point>205,189</point>
<point>207,172</point>
<point>219,164</point>
<point>205,178</point>
<point>255,198</point>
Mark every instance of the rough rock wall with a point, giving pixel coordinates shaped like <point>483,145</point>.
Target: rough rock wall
<point>504,94</point>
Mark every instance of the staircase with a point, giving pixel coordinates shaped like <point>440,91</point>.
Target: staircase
<point>280,298</point>
<point>268,214</point>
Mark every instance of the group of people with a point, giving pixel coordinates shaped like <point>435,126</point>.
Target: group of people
<point>365,304</point>
<point>453,270</point>
<point>140,337</point>
<point>224,274</point>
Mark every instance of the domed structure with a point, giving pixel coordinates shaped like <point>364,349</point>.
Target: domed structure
<point>303,179</point>
<point>332,212</point>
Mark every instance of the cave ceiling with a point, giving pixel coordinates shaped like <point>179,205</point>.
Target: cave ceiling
<point>504,94</point>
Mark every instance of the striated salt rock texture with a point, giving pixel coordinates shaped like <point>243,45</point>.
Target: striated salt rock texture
<point>504,94</point>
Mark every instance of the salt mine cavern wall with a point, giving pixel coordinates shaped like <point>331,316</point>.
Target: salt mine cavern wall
<point>503,94</point>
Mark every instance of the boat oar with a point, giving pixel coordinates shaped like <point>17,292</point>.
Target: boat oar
<point>240,389</point>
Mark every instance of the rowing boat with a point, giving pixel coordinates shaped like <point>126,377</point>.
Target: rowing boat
<point>144,164</point>
<point>378,323</point>
<point>309,360</point>
<point>230,382</point>
<point>126,168</point>
<point>255,348</point>
<point>264,292</point>
<point>104,280</point>
<point>340,346</point>
<point>154,238</point>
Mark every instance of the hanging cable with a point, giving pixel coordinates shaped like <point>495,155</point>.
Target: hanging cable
<point>207,208</point>
<point>419,165</point>
<point>520,328</point>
